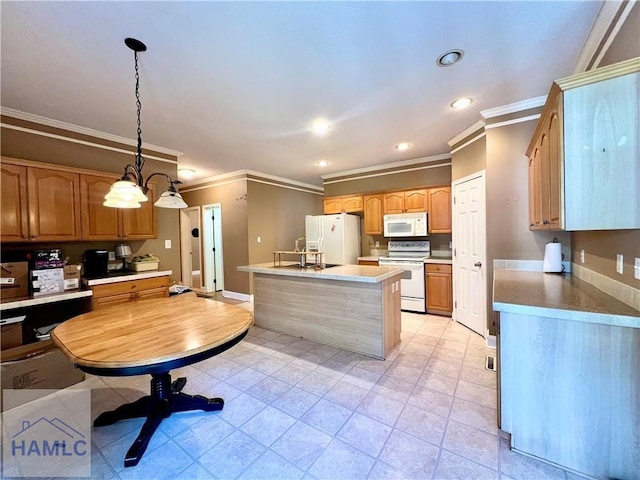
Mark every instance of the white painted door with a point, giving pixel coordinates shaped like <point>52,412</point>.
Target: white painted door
<point>212,266</point>
<point>469,255</point>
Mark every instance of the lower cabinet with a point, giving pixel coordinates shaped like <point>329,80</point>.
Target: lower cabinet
<point>129,291</point>
<point>368,262</point>
<point>439,288</point>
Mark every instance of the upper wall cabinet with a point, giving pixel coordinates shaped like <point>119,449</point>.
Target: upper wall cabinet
<point>584,158</point>
<point>405,202</point>
<point>39,204</point>
<point>15,217</point>
<point>439,201</point>
<point>106,223</point>
<point>373,224</point>
<point>55,204</point>
<point>343,204</point>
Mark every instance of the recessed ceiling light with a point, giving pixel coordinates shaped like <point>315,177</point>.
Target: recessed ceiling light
<point>401,147</point>
<point>186,173</point>
<point>461,103</point>
<point>320,127</point>
<point>322,163</point>
<point>449,58</point>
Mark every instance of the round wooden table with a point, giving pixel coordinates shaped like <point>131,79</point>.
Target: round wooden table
<point>152,337</point>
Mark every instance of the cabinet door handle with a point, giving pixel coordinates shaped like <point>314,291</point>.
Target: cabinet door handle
<point>477,264</point>
<point>546,222</point>
<point>34,236</point>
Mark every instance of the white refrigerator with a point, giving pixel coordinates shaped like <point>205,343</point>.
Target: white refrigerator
<point>337,236</point>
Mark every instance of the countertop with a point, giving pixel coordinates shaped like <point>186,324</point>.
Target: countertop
<point>561,296</point>
<point>124,277</point>
<point>56,297</point>
<point>347,273</point>
<point>441,260</point>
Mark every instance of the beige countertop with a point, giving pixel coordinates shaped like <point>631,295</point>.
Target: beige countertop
<point>369,258</point>
<point>564,297</point>
<point>56,297</point>
<point>347,273</point>
<point>126,277</point>
<point>441,260</point>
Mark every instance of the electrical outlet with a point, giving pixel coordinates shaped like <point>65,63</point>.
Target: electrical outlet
<point>377,244</point>
<point>167,244</point>
<point>259,239</point>
<point>619,264</point>
<point>582,256</point>
<point>450,244</point>
<point>636,268</point>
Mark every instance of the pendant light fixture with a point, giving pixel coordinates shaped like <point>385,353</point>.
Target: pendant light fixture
<point>132,188</point>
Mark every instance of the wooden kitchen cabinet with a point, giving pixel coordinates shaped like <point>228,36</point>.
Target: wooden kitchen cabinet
<point>439,201</point>
<point>343,204</point>
<point>129,291</point>
<point>405,202</point>
<point>39,204</point>
<point>54,205</point>
<point>584,172</point>
<point>373,221</point>
<point>15,217</point>
<point>544,169</point>
<point>368,262</point>
<point>439,288</point>
<point>106,223</point>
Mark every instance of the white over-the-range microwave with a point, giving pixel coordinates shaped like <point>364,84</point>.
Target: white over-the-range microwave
<point>406,224</point>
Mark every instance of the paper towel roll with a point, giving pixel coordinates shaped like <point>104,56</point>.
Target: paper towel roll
<point>552,258</point>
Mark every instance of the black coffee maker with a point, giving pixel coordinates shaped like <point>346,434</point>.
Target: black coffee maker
<point>96,263</point>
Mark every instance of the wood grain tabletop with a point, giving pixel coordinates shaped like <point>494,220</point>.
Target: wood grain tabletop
<point>150,331</point>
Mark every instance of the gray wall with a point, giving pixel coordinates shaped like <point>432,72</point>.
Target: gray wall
<point>252,209</point>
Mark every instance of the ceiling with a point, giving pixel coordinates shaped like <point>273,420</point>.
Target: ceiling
<point>235,85</point>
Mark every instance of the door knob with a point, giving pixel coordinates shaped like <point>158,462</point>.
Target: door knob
<point>477,264</point>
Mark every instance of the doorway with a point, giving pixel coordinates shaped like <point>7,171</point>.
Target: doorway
<point>470,254</point>
<point>190,247</point>
<point>213,267</point>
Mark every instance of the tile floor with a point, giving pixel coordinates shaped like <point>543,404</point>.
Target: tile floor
<point>296,409</point>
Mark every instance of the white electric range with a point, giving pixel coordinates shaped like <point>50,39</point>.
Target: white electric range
<point>410,255</point>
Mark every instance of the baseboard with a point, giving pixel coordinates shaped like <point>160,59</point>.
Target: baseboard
<point>236,296</point>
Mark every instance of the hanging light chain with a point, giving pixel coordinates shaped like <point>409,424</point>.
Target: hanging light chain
<point>139,158</point>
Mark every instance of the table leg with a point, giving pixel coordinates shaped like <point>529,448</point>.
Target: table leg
<point>164,399</point>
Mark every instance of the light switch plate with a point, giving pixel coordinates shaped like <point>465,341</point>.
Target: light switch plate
<point>619,263</point>
<point>636,268</point>
<point>582,256</point>
<point>167,244</point>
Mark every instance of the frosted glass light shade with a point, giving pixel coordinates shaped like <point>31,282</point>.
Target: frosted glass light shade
<point>124,191</point>
<point>171,199</point>
<point>118,203</point>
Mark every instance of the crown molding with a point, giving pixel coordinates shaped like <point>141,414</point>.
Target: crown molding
<point>469,142</point>
<point>513,121</point>
<point>610,19</point>
<point>470,130</point>
<point>246,175</point>
<point>391,172</point>
<point>29,117</point>
<point>514,107</point>
<point>387,166</point>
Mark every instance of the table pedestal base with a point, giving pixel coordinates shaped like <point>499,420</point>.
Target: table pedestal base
<point>165,399</point>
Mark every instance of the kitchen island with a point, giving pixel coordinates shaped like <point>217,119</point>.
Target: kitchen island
<point>569,357</point>
<point>353,307</point>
